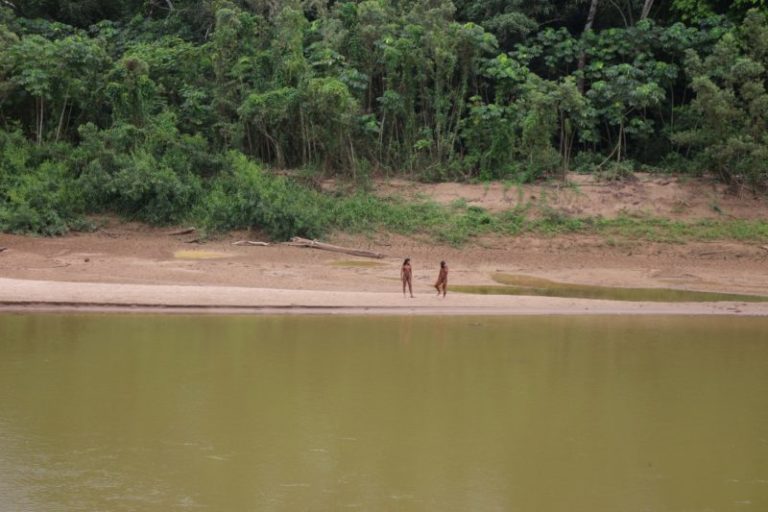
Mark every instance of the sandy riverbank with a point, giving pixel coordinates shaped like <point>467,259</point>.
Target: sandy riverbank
<point>28,295</point>
<point>135,268</point>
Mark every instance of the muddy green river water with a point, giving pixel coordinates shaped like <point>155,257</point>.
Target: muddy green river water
<point>236,413</point>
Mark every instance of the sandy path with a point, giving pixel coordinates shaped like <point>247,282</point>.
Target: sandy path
<point>16,294</point>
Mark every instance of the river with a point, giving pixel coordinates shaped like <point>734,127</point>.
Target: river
<point>237,413</point>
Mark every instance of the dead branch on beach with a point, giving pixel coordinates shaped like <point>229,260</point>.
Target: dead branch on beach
<point>3,249</point>
<point>107,233</point>
<point>182,232</point>
<point>314,244</point>
<point>251,243</point>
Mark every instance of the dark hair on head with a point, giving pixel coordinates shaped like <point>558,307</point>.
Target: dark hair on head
<point>407,260</point>
<point>442,263</point>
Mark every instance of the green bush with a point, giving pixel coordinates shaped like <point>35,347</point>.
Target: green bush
<point>244,196</point>
<point>142,190</point>
<point>41,200</point>
<point>725,125</point>
<point>152,173</point>
<point>35,197</point>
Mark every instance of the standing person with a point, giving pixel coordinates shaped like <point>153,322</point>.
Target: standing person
<point>406,276</point>
<point>442,279</point>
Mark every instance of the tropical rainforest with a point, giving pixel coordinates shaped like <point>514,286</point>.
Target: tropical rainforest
<point>228,112</point>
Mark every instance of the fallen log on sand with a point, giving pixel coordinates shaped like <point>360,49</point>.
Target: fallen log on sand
<point>314,244</point>
<point>249,242</point>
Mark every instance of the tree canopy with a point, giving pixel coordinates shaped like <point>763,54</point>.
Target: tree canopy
<point>143,103</point>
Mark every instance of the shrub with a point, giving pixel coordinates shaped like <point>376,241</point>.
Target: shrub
<point>149,173</point>
<point>244,196</point>
<point>36,195</point>
<point>142,188</point>
<point>725,125</point>
<point>40,200</point>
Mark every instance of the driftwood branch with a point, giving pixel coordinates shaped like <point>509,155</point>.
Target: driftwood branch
<point>314,244</point>
<point>3,249</point>
<point>249,242</point>
<point>182,232</point>
<point>107,233</point>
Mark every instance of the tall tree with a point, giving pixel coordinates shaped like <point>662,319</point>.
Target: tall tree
<point>647,5</point>
<point>583,55</point>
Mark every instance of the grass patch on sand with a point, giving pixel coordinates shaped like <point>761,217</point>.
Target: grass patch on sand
<point>458,223</point>
<point>200,255</point>
<point>665,230</point>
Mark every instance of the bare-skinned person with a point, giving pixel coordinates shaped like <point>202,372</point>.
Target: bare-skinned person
<point>406,276</point>
<point>442,279</point>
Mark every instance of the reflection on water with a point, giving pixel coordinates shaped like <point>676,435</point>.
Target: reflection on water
<point>586,414</point>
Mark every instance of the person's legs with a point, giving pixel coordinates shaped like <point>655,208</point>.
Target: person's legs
<point>410,288</point>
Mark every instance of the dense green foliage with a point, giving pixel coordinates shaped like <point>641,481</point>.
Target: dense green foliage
<point>169,110</point>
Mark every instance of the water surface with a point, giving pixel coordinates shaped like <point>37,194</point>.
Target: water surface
<point>586,414</point>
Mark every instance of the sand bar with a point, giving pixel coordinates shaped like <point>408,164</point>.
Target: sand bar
<point>31,295</point>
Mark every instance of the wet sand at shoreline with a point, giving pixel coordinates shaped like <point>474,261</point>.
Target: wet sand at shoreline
<point>28,295</point>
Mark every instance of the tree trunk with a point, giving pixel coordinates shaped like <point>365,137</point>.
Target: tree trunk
<point>646,9</point>
<point>583,54</point>
<point>10,4</point>
<point>279,160</point>
<point>61,119</point>
<point>40,111</point>
<point>621,139</point>
<point>248,137</point>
